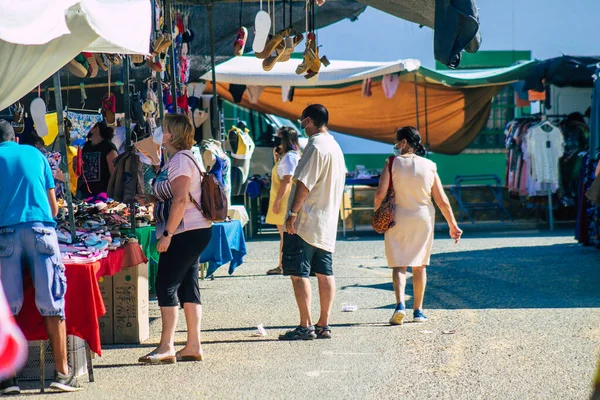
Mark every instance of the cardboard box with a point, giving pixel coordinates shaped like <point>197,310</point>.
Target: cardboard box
<point>106,322</point>
<point>131,320</point>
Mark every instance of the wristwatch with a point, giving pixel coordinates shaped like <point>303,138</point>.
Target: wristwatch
<point>293,214</point>
<point>166,233</point>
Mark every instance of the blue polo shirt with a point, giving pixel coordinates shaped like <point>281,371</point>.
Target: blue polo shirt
<point>25,178</point>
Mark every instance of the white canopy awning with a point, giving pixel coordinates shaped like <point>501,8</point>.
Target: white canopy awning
<point>248,71</point>
<point>38,37</point>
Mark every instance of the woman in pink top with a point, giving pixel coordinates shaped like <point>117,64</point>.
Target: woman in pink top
<point>409,242</point>
<point>183,233</point>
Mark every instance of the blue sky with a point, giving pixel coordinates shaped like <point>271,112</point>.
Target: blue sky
<point>548,28</point>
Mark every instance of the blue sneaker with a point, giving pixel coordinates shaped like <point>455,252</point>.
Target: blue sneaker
<point>398,315</point>
<point>418,316</point>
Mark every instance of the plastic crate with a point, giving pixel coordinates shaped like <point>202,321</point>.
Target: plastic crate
<point>76,358</point>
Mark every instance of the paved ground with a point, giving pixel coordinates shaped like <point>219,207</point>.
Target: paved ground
<point>525,307</point>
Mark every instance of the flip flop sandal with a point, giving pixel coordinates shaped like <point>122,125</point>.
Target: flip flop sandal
<point>262,27</point>
<point>93,65</point>
<point>261,55</point>
<point>101,61</point>
<point>272,45</point>
<point>305,65</point>
<point>240,42</point>
<point>157,43</point>
<point>156,359</point>
<point>37,109</point>
<point>164,46</point>
<point>323,332</point>
<point>182,358</point>
<point>269,62</point>
<point>77,69</point>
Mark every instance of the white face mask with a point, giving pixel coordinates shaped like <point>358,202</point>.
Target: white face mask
<point>397,151</point>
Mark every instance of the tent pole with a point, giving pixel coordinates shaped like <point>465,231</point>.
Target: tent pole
<point>417,100</point>
<point>127,105</point>
<point>161,105</point>
<point>215,104</point>
<point>64,165</point>
<point>169,21</point>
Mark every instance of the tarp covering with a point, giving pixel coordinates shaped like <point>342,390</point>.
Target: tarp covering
<point>562,71</point>
<point>457,102</point>
<point>30,55</point>
<point>455,23</point>
<point>453,120</point>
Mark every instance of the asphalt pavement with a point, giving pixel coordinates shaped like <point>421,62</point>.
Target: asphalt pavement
<point>513,314</point>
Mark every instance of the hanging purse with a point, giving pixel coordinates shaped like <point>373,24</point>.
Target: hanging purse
<point>593,193</point>
<point>383,217</point>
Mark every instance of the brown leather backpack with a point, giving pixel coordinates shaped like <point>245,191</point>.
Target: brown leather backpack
<point>213,200</point>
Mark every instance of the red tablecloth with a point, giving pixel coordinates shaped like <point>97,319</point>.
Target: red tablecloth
<point>127,256</point>
<point>83,301</point>
<point>83,307</point>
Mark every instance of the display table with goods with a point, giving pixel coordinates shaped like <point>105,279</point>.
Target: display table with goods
<point>227,245</point>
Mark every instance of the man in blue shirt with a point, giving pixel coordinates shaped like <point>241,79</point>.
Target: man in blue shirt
<point>28,240</point>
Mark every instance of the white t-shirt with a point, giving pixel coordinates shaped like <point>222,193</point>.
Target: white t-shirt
<point>288,163</point>
<point>322,170</point>
<point>545,146</point>
<point>181,165</point>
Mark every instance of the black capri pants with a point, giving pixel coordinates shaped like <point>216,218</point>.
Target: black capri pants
<point>177,277</point>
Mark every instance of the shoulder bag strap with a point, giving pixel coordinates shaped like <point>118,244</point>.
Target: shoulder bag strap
<point>390,163</point>
<point>198,206</point>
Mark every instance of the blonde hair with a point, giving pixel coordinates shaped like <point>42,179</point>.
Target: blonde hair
<point>180,126</point>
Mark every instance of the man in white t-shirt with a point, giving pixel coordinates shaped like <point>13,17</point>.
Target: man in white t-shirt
<point>311,225</point>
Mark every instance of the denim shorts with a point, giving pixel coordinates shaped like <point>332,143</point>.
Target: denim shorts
<point>304,260</point>
<point>33,246</point>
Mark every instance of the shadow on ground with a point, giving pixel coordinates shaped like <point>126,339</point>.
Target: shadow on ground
<point>559,276</point>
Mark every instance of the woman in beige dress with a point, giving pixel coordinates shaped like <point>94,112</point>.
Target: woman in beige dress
<point>409,242</point>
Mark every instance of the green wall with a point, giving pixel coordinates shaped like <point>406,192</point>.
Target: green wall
<point>448,166</point>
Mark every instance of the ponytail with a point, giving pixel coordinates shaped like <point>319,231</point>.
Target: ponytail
<point>420,150</point>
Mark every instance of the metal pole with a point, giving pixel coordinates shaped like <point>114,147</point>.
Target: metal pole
<point>417,99</point>
<point>215,104</point>
<point>426,120</point>
<point>64,165</point>
<point>161,105</point>
<point>169,21</point>
<point>127,105</point>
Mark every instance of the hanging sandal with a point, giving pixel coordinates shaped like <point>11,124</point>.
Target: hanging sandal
<point>290,46</point>
<point>310,44</point>
<point>269,62</point>
<point>323,332</point>
<point>240,42</point>
<point>273,43</point>
<point>275,271</point>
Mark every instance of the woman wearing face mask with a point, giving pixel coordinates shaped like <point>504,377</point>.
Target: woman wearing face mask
<point>286,155</point>
<point>409,242</point>
<point>98,154</point>
<point>183,232</point>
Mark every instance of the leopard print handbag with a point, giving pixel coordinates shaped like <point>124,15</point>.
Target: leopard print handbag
<point>383,217</point>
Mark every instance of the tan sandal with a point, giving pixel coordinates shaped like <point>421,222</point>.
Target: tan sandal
<point>181,358</point>
<point>156,359</point>
<point>273,43</point>
<point>290,46</point>
<point>269,62</point>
